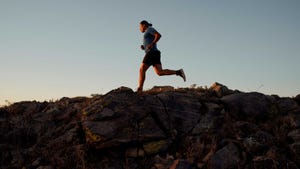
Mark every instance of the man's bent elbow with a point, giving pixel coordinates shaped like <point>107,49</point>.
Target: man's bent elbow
<point>158,35</point>
<point>159,73</point>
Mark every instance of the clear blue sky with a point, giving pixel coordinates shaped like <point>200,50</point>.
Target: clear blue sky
<point>55,48</point>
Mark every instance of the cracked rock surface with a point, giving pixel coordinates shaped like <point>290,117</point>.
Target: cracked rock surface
<point>185,128</point>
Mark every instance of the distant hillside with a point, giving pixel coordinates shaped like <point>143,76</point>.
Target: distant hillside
<point>186,128</point>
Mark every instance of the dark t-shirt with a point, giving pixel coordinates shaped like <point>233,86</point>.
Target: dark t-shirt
<point>148,39</point>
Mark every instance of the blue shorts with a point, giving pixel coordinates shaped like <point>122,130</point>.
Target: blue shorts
<point>152,58</point>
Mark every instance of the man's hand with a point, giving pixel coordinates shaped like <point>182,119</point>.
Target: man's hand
<point>150,46</point>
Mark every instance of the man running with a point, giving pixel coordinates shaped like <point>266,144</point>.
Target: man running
<point>152,56</point>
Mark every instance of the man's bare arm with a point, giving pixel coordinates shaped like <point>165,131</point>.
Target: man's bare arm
<point>157,36</point>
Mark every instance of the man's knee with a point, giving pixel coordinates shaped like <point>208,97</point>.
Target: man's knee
<point>143,69</point>
<point>159,73</point>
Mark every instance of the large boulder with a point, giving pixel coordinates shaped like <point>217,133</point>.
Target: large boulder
<point>175,113</point>
<point>120,118</point>
<point>288,105</point>
<point>250,106</point>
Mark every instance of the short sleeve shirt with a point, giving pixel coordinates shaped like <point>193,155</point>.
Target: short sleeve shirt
<point>148,39</point>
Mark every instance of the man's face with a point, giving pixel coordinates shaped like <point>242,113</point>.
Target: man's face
<point>143,28</point>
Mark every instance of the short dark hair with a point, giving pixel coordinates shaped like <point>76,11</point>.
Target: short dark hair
<point>144,22</point>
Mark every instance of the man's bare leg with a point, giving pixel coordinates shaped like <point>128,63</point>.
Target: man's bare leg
<point>161,72</point>
<point>142,76</point>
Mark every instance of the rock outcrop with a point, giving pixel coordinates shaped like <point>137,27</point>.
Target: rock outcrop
<point>186,128</point>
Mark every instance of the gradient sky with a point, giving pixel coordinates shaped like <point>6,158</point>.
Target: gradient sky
<point>55,48</point>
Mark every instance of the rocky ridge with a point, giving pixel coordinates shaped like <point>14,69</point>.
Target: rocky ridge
<point>186,128</point>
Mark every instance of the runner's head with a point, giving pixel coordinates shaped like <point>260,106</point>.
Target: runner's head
<point>144,25</point>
